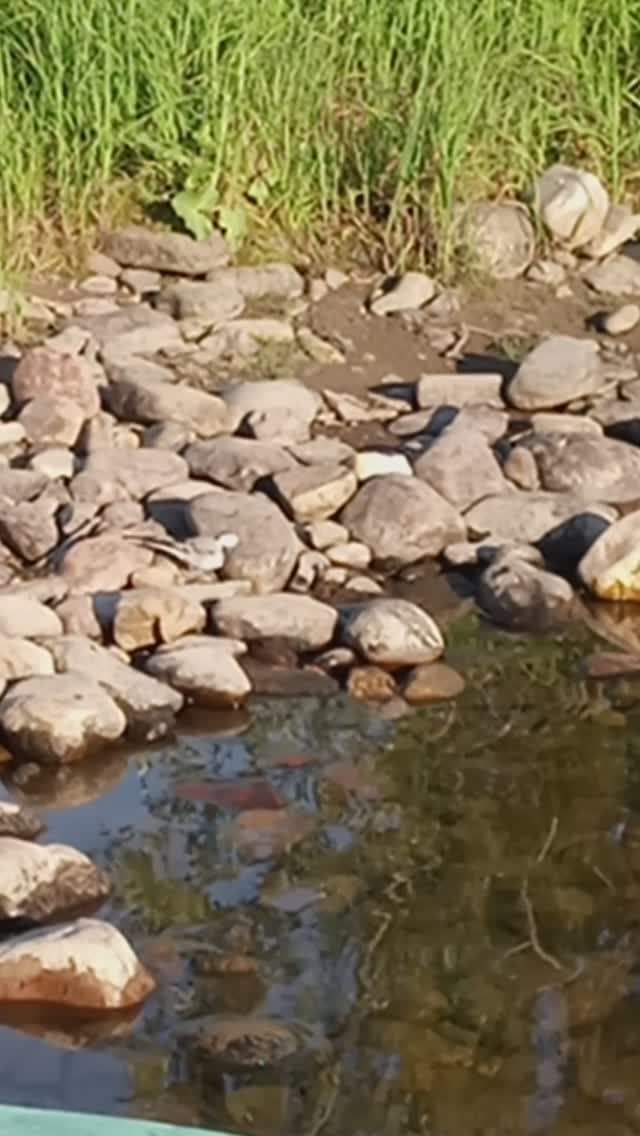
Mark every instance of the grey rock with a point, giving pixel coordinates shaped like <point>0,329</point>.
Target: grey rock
<point>619,276</point>
<point>59,718</point>
<point>620,225</point>
<point>572,204</point>
<point>520,595</point>
<point>525,517</point>
<point>137,247</point>
<point>22,616</point>
<point>280,281</point>
<point>205,672</point>
<point>499,237</point>
<point>214,304</point>
<point>268,547</point>
<point>391,633</point>
<point>133,368</point>
<point>546,422</point>
<point>304,623</point>
<point>51,421</point>
<point>379,463</point>
<point>167,436</point>
<point>314,493</point>
<point>461,467</point>
<point>102,563</point>
<point>460,390</point>
<point>42,373</point>
<point>555,372</point>
<point>147,401</point>
<point>134,330</point>
<point>278,424</point>
<point>29,528</point>
<point>322,451</point>
<point>620,418</point>
<point>404,294</point>
<point>139,472</point>
<point>402,519</point>
<point>289,395</point>
<point>237,463</point>
<point>141,281</point>
<point>521,468</point>
<point>169,507</point>
<point>596,469</point>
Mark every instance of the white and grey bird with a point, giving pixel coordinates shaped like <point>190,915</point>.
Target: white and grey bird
<point>201,553</point>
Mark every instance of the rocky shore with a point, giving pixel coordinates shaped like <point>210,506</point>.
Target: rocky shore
<point>174,535</point>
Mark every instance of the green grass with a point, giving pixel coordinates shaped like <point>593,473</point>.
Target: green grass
<point>366,120</point>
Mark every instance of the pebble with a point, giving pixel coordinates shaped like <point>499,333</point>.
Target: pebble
<point>622,320</point>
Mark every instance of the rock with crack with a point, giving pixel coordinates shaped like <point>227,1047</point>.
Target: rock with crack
<point>557,371</point>
<point>59,719</point>
<point>204,669</point>
<point>84,965</point>
<point>517,594</point>
<point>610,569</point>
<point>304,623</point>
<point>267,548</point>
<point>461,467</point>
<point>19,821</point>
<point>402,519</point>
<point>146,616</point>
<point>45,882</point>
<point>315,492</point>
<point>150,706</point>
<point>134,330</point>
<point>391,633</point>
<point>139,247</point>
<point>572,204</point>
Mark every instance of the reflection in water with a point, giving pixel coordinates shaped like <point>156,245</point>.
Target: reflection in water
<point>448,927</point>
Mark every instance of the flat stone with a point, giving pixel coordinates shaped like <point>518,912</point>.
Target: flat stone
<point>138,247</point>
<point>324,534</point>
<point>610,569</point>
<point>275,279</point>
<point>19,821</point>
<point>19,658</point>
<point>461,467</point>
<point>267,548</point>
<point>499,237</point>
<point>557,371</point>
<point>546,422</point>
<point>391,633</point>
<point>287,395</point>
<point>619,276</point>
<point>375,463</point>
<point>84,965</point>
<point>280,425</point>
<point>42,373</point>
<point>134,330</point>
<point>303,622</point>
<point>572,204</point>
<point>21,484</point>
<point>133,369</point>
<point>42,883</point>
<point>594,468</point>
<point>139,472</point>
<point>524,517</point>
<point>56,462</point>
<point>432,682</point>
<point>147,401</point>
<point>206,673</point>
<point>460,390</point>
<point>316,492</point>
<point>102,563</point>
<point>141,281</point>
<point>402,519</point>
<point>59,719</point>
<point>350,554</point>
<point>408,425</point>
<point>23,617</point>
<point>369,407</point>
<point>237,463</point>
<point>146,616</point>
<point>408,292</point>
<point>214,304</point>
<point>322,451</point>
<point>29,529</point>
<point>51,421</point>
<point>520,595</point>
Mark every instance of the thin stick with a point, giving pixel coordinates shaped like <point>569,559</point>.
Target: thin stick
<point>533,929</point>
<point>546,847</point>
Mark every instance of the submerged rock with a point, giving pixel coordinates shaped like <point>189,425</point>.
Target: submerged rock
<point>520,595</point>
<point>41,882</point>
<point>432,682</point>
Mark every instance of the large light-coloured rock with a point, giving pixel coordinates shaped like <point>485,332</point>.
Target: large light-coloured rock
<point>146,616</point>
<point>42,373</point>
<point>138,247</point>
<point>622,320</point>
<point>150,706</point>
<point>572,203</point>
<point>402,519</point>
<point>315,492</point>
<point>460,390</point>
<point>392,633</point>
<point>213,304</point>
<point>619,276</point>
<point>525,517</point>
<point>404,294</point>
<point>499,238</point>
<point>24,617</point>
<point>237,463</point>
<point>40,883</point>
<point>102,563</point>
<point>19,821</point>
<point>147,401</point>
<point>548,422</point>
<point>611,567</point>
<point>29,528</point>
<point>19,658</point>
<point>521,595</point>
<point>593,468</point>
<point>59,718</point>
<point>288,395</point>
<point>256,282</point>
<point>85,965</point>
<point>461,467</point>
<point>555,372</point>
<point>134,330</point>
<point>51,420</point>
<point>139,472</point>
<point>267,547</point>
<point>620,225</point>
<point>206,672</point>
<point>304,622</point>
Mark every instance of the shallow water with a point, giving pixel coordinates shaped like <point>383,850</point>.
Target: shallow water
<point>454,936</point>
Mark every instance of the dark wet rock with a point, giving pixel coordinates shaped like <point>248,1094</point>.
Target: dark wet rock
<point>59,718</point>
<point>520,595</point>
<point>267,548</point>
<point>371,684</point>
<point>146,616</point>
<point>19,821</point>
<point>236,1045</point>
<point>305,623</point>
<point>150,706</point>
<point>139,247</point>
<point>564,546</point>
<point>84,965</point>
<point>148,401</point>
<point>206,672</point>
<point>596,469</point>
<point>261,834</point>
<point>391,633</point>
<point>42,373</point>
<point>237,463</point>
<point>44,882</point>
<point>432,682</point>
<point>526,517</point>
<point>461,467</point>
<point>555,372</point>
<point>402,519</point>
<point>620,418</point>
<point>289,682</point>
<point>610,567</point>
